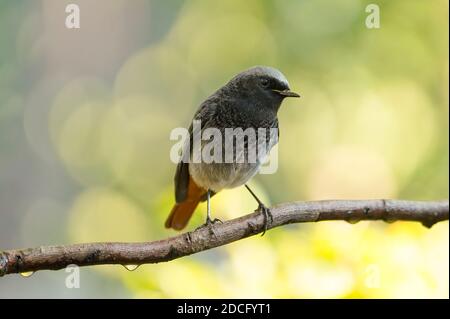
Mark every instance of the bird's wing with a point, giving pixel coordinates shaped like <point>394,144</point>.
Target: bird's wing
<point>205,113</point>
<point>272,140</point>
<point>275,125</point>
<point>181,181</point>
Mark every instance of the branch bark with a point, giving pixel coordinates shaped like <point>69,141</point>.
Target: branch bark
<point>203,238</point>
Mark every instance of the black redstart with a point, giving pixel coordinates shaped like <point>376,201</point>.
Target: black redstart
<point>250,100</point>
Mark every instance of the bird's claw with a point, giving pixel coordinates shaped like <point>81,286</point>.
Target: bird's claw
<point>268,218</point>
<point>210,221</point>
<point>209,224</point>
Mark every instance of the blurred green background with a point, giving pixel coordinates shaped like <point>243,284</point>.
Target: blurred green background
<point>85,118</point>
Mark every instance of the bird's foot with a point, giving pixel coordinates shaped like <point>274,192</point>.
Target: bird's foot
<point>209,224</point>
<point>268,218</point>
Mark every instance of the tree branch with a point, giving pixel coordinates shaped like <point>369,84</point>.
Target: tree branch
<point>203,238</point>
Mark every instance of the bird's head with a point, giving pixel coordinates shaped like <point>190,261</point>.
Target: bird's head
<point>263,84</point>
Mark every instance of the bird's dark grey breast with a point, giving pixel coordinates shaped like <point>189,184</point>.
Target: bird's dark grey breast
<point>222,112</point>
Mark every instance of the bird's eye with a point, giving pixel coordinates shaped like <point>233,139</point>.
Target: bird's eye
<point>265,83</point>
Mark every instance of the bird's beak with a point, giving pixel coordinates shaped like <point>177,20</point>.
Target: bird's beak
<point>287,93</point>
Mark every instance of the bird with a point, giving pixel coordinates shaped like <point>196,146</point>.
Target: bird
<point>251,99</point>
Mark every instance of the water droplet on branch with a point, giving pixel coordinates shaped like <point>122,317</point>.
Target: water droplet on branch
<point>27,274</point>
<point>131,267</point>
<point>353,220</point>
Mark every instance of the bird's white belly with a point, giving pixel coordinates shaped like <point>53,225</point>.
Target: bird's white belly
<point>218,176</point>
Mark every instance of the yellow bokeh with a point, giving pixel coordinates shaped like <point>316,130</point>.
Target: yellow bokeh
<point>86,117</point>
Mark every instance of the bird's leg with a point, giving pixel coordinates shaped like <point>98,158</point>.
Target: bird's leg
<point>209,221</point>
<point>208,207</point>
<point>262,209</point>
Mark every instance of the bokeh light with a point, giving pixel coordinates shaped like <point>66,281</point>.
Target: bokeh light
<point>86,115</point>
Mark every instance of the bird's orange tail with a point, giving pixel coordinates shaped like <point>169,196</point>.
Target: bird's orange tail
<point>180,214</point>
